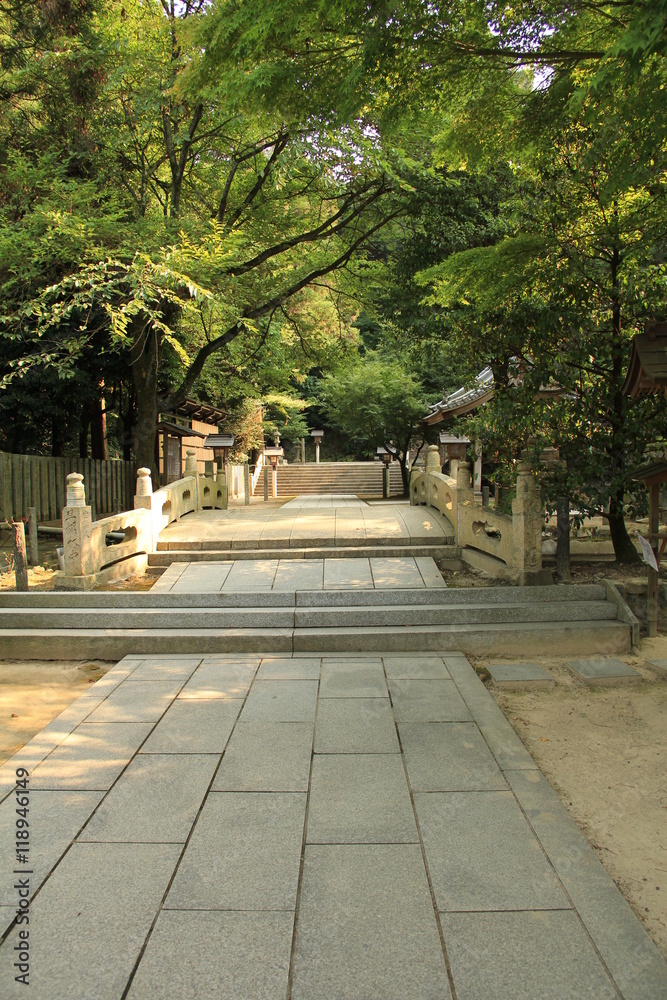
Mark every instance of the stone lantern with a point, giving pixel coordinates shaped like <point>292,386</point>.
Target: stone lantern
<point>317,436</point>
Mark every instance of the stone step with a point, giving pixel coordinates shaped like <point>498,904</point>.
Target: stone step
<point>438,550</point>
<point>451,596</point>
<point>503,639</point>
<point>312,617</point>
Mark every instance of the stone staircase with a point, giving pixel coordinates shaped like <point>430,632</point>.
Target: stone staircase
<point>361,478</point>
<point>505,621</point>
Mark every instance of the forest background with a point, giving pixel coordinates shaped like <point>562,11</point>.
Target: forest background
<point>341,211</point>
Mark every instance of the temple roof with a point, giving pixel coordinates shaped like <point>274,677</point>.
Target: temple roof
<point>647,370</point>
<point>463,401</point>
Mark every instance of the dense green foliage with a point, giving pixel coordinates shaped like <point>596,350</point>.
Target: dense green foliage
<point>296,202</point>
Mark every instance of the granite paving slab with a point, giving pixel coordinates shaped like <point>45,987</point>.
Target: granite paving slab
<point>203,578</point>
<point>346,574</point>
<point>287,668</point>
<point>524,956</point>
<point>360,799</point>
<point>156,800</point>
<point>91,757</point>
<point>90,921</point>
<point>482,854</point>
<point>299,574</point>
<point>427,700</point>
<point>195,955</point>
<point>142,701</point>
<point>353,679</point>
<point>267,757</point>
<point>659,665</point>
<point>448,757</point>
<point>430,573</point>
<point>221,679</point>
<point>530,674</point>
<point>244,854</point>
<point>280,701</point>
<point>396,573</point>
<point>355,725</point>
<point>55,818</point>
<point>603,670</point>
<point>415,667</point>
<point>192,726</point>
<point>366,928</point>
<point>163,668</point>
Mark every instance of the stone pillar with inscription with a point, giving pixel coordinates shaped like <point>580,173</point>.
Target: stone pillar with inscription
<point>77,530</point>
<point>527,524</point>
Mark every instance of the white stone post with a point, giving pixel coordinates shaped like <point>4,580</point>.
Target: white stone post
<point>143,490</point>
<point>77,529</point>
<point>317,449</point>
<point>527,523</point>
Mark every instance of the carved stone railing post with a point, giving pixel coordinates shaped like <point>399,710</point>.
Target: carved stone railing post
<point>527,523</point>
<point>77,529</point>
<point>192,470</point>
<point>144,490</point>
<point>431,464</point>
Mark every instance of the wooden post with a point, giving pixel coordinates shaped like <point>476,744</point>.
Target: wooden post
<point>33,547</point>
<point>563,539</point>
<point>385,481</point>
<point>652,597</point>
<point>20,562</point>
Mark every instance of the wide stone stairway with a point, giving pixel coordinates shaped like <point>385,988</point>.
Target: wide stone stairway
<point>361,478</point>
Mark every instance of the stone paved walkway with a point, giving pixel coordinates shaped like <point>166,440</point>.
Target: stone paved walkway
<point>319,520</point>
<point>374,573</point>
<point>314,828</point>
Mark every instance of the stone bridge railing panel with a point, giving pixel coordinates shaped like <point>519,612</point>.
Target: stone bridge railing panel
<point>117,547</point>
<point>515,540</point>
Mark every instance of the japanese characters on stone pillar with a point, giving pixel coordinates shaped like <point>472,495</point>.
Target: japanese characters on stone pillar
<point>527,521</point>
<point>77,529</point>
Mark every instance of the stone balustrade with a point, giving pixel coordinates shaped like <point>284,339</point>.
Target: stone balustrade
<point>92,550</point>
<point>515,540</point>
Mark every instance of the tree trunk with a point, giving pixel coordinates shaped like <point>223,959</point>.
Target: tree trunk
<point>403,462</point>
<point>98,429</point>
<point>624,550</point>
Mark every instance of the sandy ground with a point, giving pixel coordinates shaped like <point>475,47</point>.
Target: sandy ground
<point>33,693</point>
<point>604,750</point>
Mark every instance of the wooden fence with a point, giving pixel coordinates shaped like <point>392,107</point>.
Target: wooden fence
<point>33,481</point>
